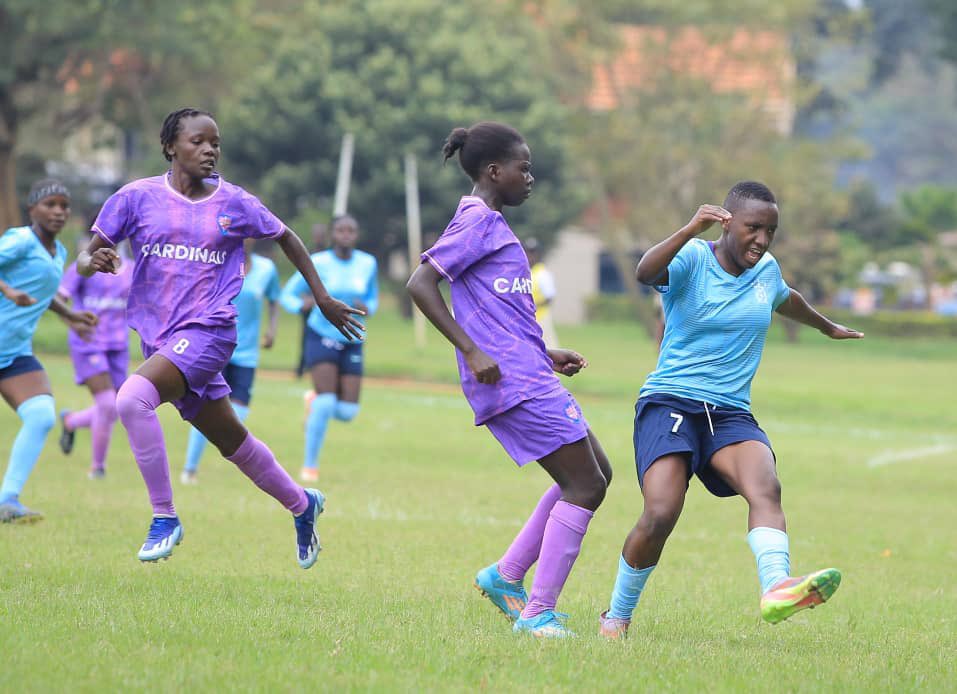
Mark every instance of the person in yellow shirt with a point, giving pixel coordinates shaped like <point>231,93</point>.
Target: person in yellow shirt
<point>543,292</point>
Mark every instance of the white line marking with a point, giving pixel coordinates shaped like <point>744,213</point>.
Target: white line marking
<point>890,457</point>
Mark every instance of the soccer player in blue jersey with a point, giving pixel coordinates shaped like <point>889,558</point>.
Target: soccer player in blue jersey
<point>335,364</point>
<point>693,412</point>
<point>260,285</point>
<point>31,265</point>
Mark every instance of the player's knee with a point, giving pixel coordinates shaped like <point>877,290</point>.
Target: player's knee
<point>591,491</point>
<point>38,413</point>
<point>345,411</point>
<point>658,520</point>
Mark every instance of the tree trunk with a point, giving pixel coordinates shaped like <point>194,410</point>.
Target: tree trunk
<point>9,208</point>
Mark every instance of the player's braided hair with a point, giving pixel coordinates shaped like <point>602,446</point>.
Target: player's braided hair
<point>748,190</point>
<point>171,126</point>
<point>481,145</point>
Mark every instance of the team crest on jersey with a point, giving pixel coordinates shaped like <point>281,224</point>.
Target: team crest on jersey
<point>760,293</point>
<point>224,220</point>
<point>572,412</point>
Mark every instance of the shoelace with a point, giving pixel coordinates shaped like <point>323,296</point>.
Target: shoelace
<point>160,528</point>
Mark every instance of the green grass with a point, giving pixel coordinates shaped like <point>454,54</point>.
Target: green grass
<point>419,499</point>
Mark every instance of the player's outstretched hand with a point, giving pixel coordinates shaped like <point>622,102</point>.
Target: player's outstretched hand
<point>566,361</point>
<point>341,316</point>
<point>83,323</point>
<point>269,339</point>
<point>18,297</point>
<point>838,332</point>
<point>105,260</point>
<point>483,367</point>
<point>706,216</point>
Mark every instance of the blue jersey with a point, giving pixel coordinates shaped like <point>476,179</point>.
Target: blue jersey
<point>349,281</point>
<point>25,265</point>
<point>715,327</point>
<point>261,282</point>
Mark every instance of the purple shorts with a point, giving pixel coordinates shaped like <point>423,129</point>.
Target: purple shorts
<point>200,354</point>
<point>89,363</point>
<point>534,428</point>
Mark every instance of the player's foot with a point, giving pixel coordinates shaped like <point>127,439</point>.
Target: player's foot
<point>307,539</point>
<point>67,437</point>
<point>507,596</point>
<point>188,477</point>
<point>794,594</point>
<point>165,533</point>
<point>96,473</point>
<point>309,474</point>
<point>612,628</point>
<point>12,511</point>
<point>547,625</point>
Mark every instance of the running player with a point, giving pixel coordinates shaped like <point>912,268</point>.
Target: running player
<point>31,265</point>
<point>693,412</point>
<point>260,284</point>
<point>334,364</point>
<point>100,362</point>
<point>508,375</point>
<point>186,228</point>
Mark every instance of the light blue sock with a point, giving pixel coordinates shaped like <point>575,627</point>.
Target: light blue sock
<point>346,411</point>
<point>320,412</point>
<point>39,416</point>
<point>628,587</point>
<point>770,547</point>
<point>197,442</point>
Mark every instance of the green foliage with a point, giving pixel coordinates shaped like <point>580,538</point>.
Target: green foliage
<point>904,324</point>
<point>399,76</point>
<point>928,210</point>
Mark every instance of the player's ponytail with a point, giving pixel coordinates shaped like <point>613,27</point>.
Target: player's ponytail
<point>481,145</point>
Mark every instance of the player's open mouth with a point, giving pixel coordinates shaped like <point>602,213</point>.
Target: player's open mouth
<point>208,164</point>
<point>754,254</point>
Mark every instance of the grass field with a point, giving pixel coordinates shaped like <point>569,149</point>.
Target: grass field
<point>419,499</point>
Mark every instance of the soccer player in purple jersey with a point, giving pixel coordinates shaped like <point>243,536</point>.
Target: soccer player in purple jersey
<point>31,265</point>
<point>186,229</point>
<point>508,375</point>
<point>101,361</point>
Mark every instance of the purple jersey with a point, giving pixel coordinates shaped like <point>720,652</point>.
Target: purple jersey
<point>105,295</point>
<point>491,287</point>
<point>187,254</point>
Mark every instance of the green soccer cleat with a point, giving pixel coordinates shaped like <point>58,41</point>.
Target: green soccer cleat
<point>795,594</point>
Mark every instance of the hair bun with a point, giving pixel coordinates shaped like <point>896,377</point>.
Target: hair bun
<point>455,141</point>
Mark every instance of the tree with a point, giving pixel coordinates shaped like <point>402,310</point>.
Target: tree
<point>399,75</point>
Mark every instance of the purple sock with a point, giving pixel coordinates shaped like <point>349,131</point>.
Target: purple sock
<point>136,404</point>
<point>561,543</point>
<point>79,419</point>
<point>101,428</point>
<point>258,463</point>
<point>527,545</point>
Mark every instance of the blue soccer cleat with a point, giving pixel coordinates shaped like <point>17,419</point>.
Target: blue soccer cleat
<point>165,533</point>
<point>12,511</point>
<point>307,539</point>
<point>547,625</point>
<point>507,596</point>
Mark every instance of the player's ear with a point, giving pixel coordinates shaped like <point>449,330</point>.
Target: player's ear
<point>493,171</point>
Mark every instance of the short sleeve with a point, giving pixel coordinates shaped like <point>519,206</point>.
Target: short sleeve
<point>682,265</point>
<point>462,246</point>
<point>70,284</point>
<point>12,247</point>
<point>781,291</point>
<point>261,223</point>
<point>113,221</point>
<point>272,284</point>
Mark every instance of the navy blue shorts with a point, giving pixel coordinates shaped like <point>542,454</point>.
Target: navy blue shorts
<point>21,365</point>
<point>666,424</point>
<point>323,350</point>
<point>240,380</point>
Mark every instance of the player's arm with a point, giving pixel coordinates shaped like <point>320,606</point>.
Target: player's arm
<point>797,308</point>
<point>270,337</point>
<point>566,361</point>
<point>336,312</point>
<point>17,296</point>
<point>423,287</point>
<point>98,256</point>
<point>81,322</point>
<point>653,267</point>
